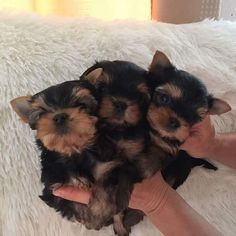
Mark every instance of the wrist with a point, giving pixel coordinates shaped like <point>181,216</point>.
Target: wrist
<point>157,200</point>
<point>213,146</point>
<point>149,195</point>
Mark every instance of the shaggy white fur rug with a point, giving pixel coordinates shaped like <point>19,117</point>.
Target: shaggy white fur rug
<point>36,52</point>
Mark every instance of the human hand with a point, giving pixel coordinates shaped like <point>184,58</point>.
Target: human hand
<point>201,139</point>
<point>147,196</point>
<point>163,206</point>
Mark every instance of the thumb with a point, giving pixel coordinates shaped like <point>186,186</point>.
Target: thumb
<point>73,194</point>
<point>186,144</point>
<point>194,136</point>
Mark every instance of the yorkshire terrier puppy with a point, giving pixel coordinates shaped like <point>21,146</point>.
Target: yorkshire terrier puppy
<point>123,100</point>
<point>179,100</point>
<point>65,123</point>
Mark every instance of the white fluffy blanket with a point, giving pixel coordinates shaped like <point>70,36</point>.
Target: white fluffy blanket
<point>36,52</point>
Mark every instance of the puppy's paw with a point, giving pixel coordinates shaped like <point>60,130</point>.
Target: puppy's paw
<point>119,228</point>
<point>93,225</point>
<point>132,217</point>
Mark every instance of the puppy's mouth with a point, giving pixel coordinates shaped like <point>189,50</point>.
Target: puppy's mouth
<point>68,142</point>
<point>67,132</point>
<point>168,126</point>
<point>167,139</point>
<point>120,112</point>
<point>179,135</point>
<point>118,122</point>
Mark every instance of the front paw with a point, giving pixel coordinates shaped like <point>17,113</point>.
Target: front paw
<point>95,225</point>
<point>101,214</point>
<point>119,228</point>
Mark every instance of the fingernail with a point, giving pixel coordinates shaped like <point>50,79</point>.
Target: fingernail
<point>57,192</point>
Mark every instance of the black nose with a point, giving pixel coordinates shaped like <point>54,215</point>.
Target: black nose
<point>60,118</point>
<point>173,124</point>
<point>119,105</point>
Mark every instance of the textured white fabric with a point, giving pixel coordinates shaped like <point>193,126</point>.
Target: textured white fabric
<point>36,52</point>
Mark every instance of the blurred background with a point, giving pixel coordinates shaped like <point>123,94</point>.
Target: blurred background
<point>170,11</point>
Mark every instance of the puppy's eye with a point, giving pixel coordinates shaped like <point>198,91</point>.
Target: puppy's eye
<point>164,99</point>
<point>102,89</point>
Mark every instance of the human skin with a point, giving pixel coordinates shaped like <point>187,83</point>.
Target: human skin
<point>205,142</point>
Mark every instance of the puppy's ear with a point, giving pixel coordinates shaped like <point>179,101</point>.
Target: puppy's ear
<point>159,61</point>
<point>96,76</point>
<point>218,106</point>
<point>22,106</point>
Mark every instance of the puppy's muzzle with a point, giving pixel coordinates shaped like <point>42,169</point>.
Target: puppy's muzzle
<point>60,119</point>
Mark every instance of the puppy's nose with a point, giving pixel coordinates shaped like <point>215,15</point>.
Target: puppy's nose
<point>60,118</point>
<point>120,106</point>
<point>173,124</point>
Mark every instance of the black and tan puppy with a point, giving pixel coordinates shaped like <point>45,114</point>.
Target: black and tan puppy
<point>179,100</point>
<point>124,98</point>
<point>65,123</point>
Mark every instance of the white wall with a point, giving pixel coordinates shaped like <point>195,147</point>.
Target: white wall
<point>228,10</point>
<point>187,11</point>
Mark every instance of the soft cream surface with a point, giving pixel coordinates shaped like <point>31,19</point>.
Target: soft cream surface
<point>36,52</point>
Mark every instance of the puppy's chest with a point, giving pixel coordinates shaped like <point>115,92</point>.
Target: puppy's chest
<point>131,147</point>
<point>74,170</point>
<point>130,143</point>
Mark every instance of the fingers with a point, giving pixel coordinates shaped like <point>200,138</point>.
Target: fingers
<point>202,124</point>
<point>184,146</point>
<point>189,141</point>
<point>73,194</point>
<point>196,133</point>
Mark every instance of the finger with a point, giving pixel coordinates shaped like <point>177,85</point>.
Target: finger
<point>202,123</point>
<point>73,194</point>
<point>188,143</point>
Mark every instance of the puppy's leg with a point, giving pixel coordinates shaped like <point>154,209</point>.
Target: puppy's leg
<point>179,169</point>
<point>111,196</point>
<point>118,225</point>
<point>132,217</point>
<point>151,162</point>
<point>65,207</point>
<point>123,221</point>
<point>102,206</point>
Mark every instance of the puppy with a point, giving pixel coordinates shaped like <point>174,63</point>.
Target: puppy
<point>123,100</point>
<point>64,117</point>
<point>179,100</point>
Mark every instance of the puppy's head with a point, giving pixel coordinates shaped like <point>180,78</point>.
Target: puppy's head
<point>179,100</point>
<point>123,93</point>
<point>62,116</point>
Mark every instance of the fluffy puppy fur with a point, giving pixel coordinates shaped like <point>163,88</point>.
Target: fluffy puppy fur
<point>179,100</point>
<point>123,98</point>
<point>65,123</point>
